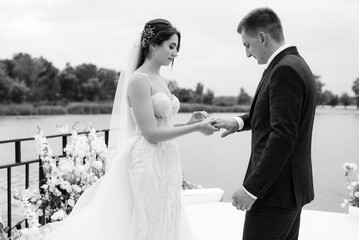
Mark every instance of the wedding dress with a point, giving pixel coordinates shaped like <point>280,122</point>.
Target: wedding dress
<point>154,210</point>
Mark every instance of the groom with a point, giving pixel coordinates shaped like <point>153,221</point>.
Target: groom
<point>279,181</point>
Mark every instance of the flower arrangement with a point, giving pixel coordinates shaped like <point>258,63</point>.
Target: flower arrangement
<point>3,229</point>
<point>66,178</point>
<point>353,186</point>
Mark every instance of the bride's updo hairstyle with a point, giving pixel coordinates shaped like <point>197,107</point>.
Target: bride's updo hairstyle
<point>156,32</point>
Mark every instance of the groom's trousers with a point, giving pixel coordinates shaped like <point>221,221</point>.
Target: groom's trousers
<point>272,223</point>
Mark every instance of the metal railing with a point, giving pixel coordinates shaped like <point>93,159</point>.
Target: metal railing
<point>18,162</point>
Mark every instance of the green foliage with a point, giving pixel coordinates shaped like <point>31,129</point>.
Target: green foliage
<point>5,85</point>
<point>244,98</point>
<point>17,109</point>
<point>51,110</point>
<point>355,88</point>
<point>18,92</point>
<point>319,85</point>
<point>225,101</point>
<point>188,108</point>
<point>208,97</point>
<point>89,108</point>
<point>344,99</point>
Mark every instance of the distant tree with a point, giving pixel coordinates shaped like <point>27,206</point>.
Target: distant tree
<point>345,99</point>
<point>208,97</point>
<point>85,72</point>
<point>25,69</point>
<point>18,92</point>
<point>91,89</point>
<point>46,86</point>
<point>183,94</point>
<point>8,66</point>
<point>355,88</point>
<point>319,85</point>
<point>243,98</point>
<point>108,80</point>
<point>69,84</point>
<point>330,98</point>
<point>199,89</point>
<point>334,101</point>
<point>5,85</point>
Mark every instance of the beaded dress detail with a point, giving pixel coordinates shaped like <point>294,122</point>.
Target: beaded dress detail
<point>156,178</point>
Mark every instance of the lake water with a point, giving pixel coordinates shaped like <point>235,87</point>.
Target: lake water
<point>211,161</point>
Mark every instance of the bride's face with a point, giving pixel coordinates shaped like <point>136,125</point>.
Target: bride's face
<point>165,53</point>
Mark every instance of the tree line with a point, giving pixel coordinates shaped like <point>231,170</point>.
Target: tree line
<point>36,80</point>
<point>27,79</point>
<point>327,97</point>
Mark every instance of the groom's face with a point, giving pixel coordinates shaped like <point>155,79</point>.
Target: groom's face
<point>254,47</point>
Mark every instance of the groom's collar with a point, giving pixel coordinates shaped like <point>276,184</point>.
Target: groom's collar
<point>280,49</point>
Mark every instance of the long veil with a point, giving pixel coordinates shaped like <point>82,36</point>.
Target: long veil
<point>104,211</point>
<point>122,125</point>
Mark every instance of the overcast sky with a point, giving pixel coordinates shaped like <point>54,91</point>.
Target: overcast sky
<point>326,33</point>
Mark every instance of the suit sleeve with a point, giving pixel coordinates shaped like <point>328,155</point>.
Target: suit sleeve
<point>246,121</point>
<point>286,90</point>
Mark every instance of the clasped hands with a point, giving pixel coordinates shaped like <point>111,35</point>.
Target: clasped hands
<point>211,125</point>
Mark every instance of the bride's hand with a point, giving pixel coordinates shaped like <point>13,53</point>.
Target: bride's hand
<point>206,127</point>
<point>198,116</point>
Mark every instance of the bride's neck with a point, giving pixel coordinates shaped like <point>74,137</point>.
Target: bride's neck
<point>151,67</point>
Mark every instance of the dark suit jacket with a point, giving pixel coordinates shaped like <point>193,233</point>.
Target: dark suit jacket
<point>281,119</point>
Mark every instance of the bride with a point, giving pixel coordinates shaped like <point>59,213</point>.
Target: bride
<point>140,195</point>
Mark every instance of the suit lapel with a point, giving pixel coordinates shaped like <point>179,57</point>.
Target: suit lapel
<point>290,50</point>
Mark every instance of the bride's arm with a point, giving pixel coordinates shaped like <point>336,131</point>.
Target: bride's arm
<point>139,92</point>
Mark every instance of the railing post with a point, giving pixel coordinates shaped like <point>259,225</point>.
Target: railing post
<point>18,152</point>
<point>64,143</point>
<point>106,137</point>
<point>41,182</point>
<point>9,200</point>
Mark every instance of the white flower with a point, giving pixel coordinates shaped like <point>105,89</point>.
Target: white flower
<point>356,194</point>
<point>66,166</point>
<point>79,169</point>
<point>97,165</point>
<point>39,212</point>
<point>31,233</point>
<point>66,186</point>
<point>59,215</point>
<point>71,202</point>
<point>76,188</point>
<point>343,205</point>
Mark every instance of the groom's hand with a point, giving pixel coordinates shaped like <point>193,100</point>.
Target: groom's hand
<point>231,125</point>
<point>241,200</point>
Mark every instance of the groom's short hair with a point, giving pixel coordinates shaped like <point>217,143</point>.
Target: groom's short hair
<point>262,19</point>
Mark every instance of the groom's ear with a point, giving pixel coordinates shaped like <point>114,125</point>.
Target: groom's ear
<point>262,36</point>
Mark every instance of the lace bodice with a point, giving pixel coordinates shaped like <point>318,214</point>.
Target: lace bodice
<point>165,108</point>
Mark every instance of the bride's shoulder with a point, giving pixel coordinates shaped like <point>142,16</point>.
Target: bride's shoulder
<point>138,81</point>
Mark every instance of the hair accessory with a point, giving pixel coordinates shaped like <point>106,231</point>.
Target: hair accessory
<point>147,34</point>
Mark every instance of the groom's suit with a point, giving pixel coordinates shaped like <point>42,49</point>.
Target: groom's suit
<point>281,118</point>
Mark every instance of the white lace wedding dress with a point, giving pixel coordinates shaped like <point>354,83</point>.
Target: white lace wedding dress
<point>155,178</point>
